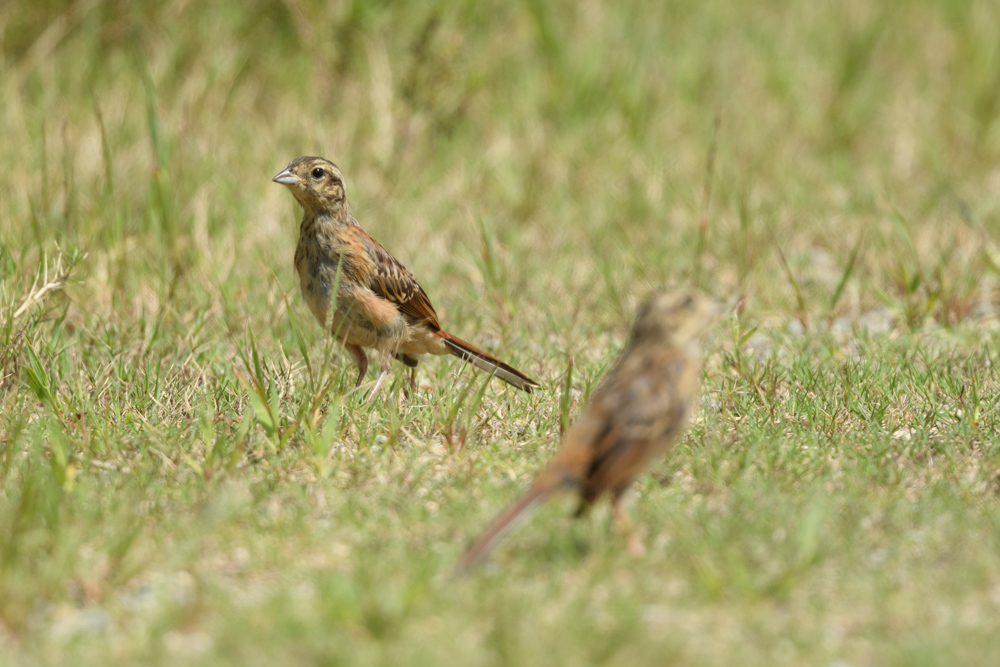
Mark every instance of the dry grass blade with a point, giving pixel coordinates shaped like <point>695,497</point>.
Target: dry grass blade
<point>47,280</point>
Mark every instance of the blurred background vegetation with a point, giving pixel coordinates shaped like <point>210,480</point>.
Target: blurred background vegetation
<point>538,166</point>
<point>601,148</point>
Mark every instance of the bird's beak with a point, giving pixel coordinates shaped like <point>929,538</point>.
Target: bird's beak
<point>287,178</point>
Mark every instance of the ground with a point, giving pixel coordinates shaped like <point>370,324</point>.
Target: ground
<point>187,476</point>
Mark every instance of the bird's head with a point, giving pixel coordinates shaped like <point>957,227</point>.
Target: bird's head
<point>316,183</point>
<point>676,317</point>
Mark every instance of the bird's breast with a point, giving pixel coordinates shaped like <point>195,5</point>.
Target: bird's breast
<point>317,266</point>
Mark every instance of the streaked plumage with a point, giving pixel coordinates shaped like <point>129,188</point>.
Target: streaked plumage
<point>379,303</point>
<point>641,407</point>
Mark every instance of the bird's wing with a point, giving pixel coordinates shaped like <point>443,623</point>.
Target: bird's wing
<point>392,281</point>
<point>631,418</point>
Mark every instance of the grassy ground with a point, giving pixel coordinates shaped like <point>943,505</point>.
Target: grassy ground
<point>186,477</point>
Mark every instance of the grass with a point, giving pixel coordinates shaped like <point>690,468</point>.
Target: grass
<point>187,477</point>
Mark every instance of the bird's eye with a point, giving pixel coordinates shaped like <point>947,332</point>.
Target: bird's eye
<point>318,172</point>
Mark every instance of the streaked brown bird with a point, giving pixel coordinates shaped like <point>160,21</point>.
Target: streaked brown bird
<point>379,304</point>
<point>639,410</point>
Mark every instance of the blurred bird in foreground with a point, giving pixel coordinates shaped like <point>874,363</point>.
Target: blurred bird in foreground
<point>378,302</point>
<point>639,410</point>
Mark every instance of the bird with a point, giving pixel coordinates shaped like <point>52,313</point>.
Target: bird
<point>638,411</point>
<point>363,294</point>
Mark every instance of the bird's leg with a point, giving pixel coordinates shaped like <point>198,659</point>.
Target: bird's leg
<point>632,541</point>
<point>412,363</point>
<point>360,360</point>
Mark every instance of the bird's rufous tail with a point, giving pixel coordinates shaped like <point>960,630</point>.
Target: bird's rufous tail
<point>503,524</point>
<point>487,362</point>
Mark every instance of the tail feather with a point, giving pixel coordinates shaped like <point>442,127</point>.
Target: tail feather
<point>503,524</point>
<point>487,362</point>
